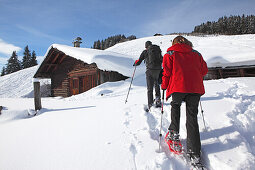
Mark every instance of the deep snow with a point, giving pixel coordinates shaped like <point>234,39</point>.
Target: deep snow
<point>97,130</point>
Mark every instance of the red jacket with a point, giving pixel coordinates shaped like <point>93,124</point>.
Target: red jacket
<point>184,69</point>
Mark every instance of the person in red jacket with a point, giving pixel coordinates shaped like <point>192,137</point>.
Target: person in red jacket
<point>184,69</point>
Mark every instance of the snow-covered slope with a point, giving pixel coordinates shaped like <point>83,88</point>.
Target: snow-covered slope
<point>97,130</point>
<point>216,50</point>
<point>19,84</point>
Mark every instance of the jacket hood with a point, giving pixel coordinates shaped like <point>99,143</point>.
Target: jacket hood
<point>184,48</point>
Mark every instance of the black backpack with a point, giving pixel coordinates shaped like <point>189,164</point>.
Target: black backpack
<point>154,59</point>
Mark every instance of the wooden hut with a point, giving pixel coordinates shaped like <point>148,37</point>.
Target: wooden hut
<point>238,69</point>
<point>70,76</point>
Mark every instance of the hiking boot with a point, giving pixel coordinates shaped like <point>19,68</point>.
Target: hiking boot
<point>149,106</point>
<point>173,136</point>
<point>158,102</point>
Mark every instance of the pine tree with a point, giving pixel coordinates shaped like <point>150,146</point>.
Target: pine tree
<point>3,71</point>
<point>111,41</point>
<point>131,37</point>
<point>33,61</point>
<point>26,58</point>
<point>13,64</point>
<point>232,25</point>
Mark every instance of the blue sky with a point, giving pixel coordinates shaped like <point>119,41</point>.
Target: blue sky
<point>40,23</point>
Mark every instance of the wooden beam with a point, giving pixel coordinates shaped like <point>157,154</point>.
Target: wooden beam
<point>49,66</point>
<point>55,58</point>
<point>1,108</point>
<point>241,72</point>
<point>55,68</point>
<point>60,61</point>
<point>63,57</point>
<point>37,96</point>
<point>43,75</point>
<point>49,56</point>
<point>221,73</point>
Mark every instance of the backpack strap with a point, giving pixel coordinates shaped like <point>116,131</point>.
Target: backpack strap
<point>170,52</point>
<point>195,51</point>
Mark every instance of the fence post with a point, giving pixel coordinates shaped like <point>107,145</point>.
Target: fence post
<point>1,108</point>
<point>37,95</point>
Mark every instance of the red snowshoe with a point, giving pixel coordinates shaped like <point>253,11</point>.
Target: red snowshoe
<point>174,143</point>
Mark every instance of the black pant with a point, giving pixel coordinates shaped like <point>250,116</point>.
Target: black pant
<point>152,80</point>
<point>192,101</point>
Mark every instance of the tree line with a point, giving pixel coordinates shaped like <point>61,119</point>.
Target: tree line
<point>111,41</point>
<point>13,63</point>
<point>233,25</point>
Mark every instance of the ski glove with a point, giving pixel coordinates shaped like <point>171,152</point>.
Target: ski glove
<point>135,64</point>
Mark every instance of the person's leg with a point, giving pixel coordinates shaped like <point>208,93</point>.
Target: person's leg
<point>193,136</point>
<point>177,99</point>
<point>157,88</point>
<point>149,80</point>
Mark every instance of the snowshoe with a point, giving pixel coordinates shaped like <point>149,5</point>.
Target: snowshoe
<point>195,161</point>
<point>158,103</point>
<point>173,142</point>
<point>147,108</point>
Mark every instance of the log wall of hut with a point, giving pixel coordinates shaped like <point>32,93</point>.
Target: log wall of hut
<point>218,73</point>
<point>59,78</point>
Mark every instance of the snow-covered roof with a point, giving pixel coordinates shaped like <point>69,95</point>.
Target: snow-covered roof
<point>105,60</point>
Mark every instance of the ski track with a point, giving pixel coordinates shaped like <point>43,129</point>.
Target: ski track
<point>238,135</point>
<point>135,143</point>
<point>242,113</point>
<point>243,120</point>
<point>241,117</point>
<point>153,117</point>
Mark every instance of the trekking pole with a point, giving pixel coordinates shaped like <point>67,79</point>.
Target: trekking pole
<point>162,111</point>
<point>202,112</point>
<point>130,84</point>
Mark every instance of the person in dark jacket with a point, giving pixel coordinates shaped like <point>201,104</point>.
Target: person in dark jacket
<point>152,73</point>
<point>184,69</point>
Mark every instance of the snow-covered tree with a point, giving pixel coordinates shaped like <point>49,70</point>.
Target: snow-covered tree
<point>111,41</point>
<point>232,25</point>
<point>26,58</point>
<point>3,71</point>
<point>13,64</point>
<point>33,61</point>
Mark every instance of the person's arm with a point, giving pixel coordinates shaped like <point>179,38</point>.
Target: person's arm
<point>141,58</point>
<point>167,70</point>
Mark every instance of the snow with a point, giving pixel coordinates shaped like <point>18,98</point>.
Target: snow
<point>105,60</point>
<point>97,130</point>
<point>20,84</point>
<point>216,50</point>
